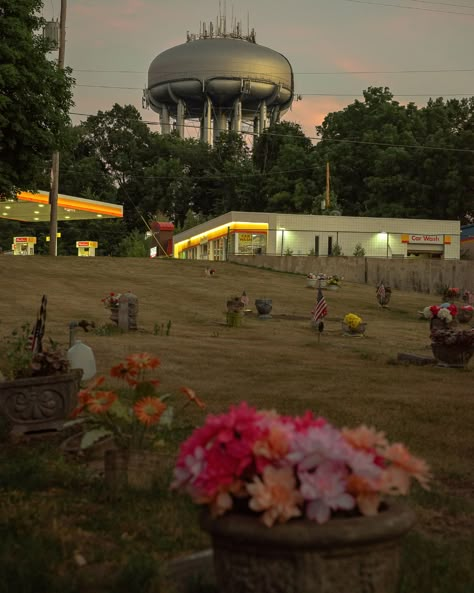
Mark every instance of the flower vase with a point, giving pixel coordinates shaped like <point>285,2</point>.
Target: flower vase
<point>264,308</point>
<point>332,287</point>
<point>114,314</point>
<point>356,555</point>
<point>451,355</point>
<point>464,316</point>
<point>37,404</point>
<point>358,331</point>
<point>311,282</point>
<point>132,469</point>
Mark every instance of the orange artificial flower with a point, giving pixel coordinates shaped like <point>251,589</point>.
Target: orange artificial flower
<point>364,438</point>
<point>149,410</point>
<point>142,361</point>
<point>193,397</point>
<point>403,460</point>
<point>366,495</point>
<point>100,401</point>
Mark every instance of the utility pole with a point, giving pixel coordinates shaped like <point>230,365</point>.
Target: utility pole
<point>53,194</point>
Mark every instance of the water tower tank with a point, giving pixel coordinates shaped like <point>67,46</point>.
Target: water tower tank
<point>221,79</point>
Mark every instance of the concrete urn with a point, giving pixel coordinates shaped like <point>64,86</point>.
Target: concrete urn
<point>355,555</point>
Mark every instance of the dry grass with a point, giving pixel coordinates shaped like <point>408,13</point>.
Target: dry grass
<point>279,363</point>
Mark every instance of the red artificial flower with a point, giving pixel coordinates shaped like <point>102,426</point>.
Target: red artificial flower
<point>193,397</point>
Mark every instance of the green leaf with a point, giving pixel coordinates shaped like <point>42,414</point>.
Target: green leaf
<point>166,418</point>
<point>118,410</point>
<point>73,422</point>
<point>92,436</point>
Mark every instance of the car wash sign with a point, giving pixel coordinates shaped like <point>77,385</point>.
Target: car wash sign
<point>426,239</point>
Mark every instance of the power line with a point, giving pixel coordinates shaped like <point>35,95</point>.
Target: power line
<point>406,71</point>
<point>410,7</point>
<point>317,138</point>
<point>356,94</point>
<point>443,3</point>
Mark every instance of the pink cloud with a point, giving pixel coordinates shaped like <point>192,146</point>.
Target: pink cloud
<point>311,111</point>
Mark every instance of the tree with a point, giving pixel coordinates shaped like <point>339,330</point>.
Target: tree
<point>35,98</point>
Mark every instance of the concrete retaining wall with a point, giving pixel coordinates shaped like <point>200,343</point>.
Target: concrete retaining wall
<point>420,275</point>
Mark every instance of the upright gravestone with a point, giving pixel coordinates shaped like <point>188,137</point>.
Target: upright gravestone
<point>128,311</point>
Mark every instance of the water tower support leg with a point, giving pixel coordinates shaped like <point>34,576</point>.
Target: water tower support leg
<point>237,116</point>
<point>262,117</point>
<point>165,120</point>
<point>206,123</point>
<point>180,119</point>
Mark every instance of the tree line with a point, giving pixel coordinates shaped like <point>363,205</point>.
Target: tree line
<point>386,159</point>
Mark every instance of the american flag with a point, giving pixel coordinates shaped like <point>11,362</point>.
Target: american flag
<point>380,291</point>
<point>321,309</point>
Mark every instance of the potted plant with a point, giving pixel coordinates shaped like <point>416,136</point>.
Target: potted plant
<point>38,390</point>
<point>133,416</point>
<point>112,301</point>
<point>452,348</point>
<point>311,280</point>
<point>465,313</point>
<point>333,282</point>
<point>295,504</point>
<point>440,316</point>
<point>353,325</point>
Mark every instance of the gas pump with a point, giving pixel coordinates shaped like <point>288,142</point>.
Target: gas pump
<point>86,248</point>
<point>24,245</point>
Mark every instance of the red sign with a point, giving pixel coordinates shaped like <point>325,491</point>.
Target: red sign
<point>82,244</point>
<point>21,239</point>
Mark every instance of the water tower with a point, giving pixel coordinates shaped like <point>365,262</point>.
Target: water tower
<point>221,79</point>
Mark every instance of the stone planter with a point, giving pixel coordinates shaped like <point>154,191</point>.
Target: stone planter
<point>359,331</point>
<point>332,286</point>
<point>464,316</point>
<point>451,355</point>
<point>39,403</point>
<point>132,469</point>
<point>114,312</point>
<point>355,555</point>
<point>311,282</point>
<point>264,308</point>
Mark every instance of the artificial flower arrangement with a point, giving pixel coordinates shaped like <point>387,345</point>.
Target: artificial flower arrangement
<point>333,281</point>
<point>134,415</point>
<point>451,337</point>
<point>446,312</point>
<point>283,467</point>
<point>311,276</point>
<point>111,301</point>
<point>451,293</point>
<point>352,321</point>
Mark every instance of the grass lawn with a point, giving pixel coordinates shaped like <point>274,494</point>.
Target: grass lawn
<point>59,531</point>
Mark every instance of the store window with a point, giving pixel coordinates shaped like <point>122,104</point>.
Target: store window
<point>251,243</point>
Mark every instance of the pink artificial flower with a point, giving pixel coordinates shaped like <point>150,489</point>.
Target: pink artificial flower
<point>309,449</point>
<point>303,423</point>
<point>325,489</point>
<point>276,495</point>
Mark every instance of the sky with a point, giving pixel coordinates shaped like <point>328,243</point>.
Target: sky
<point>337,48</point>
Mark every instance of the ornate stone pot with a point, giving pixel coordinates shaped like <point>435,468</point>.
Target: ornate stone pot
<point>451,355</point>
<point>311,282</point>
<point>264,308</point>
<point>39,403</point>
<point>355,555</point>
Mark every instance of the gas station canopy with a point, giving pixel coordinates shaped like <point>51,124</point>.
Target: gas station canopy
<point>34,207</point>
